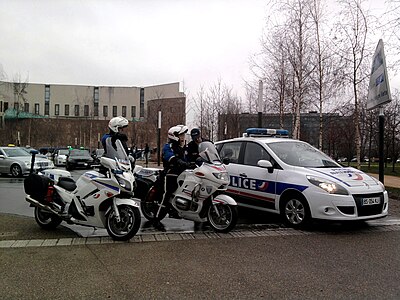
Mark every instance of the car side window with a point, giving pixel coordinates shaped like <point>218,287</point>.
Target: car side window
<point>253,153</point>
<point>231,151</point>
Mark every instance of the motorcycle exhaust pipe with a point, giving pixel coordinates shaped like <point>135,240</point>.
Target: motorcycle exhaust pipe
<point>38,204</point>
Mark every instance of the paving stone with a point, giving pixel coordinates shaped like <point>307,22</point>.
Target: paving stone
<point>148,238</point>
<point>35,243</point>
<point>161,237</point>
<point>6,244</point>
<point>79,241</point>
<point>200,236</point>
<point>20,243</point>
<point>64,242</point>
<point>174,237</point>
<point>93,241</point>
<point>136,239</point>
<point>49,242</point>
<point>106,240</point>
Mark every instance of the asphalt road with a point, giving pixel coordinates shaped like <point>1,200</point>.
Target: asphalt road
<point>333,261</point>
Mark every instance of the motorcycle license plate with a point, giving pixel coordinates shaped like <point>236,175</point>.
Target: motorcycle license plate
<point>371,201</point>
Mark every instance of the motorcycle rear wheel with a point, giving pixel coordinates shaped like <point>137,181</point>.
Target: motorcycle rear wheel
<point>46,219</point>
<point>150,206</point>
<point>226,218</point>
<point>128,225</point>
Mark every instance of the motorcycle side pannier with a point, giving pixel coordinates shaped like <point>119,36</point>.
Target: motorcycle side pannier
<point>37,186</point>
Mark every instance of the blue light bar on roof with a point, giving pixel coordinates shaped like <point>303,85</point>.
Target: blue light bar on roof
<point>266,132</point>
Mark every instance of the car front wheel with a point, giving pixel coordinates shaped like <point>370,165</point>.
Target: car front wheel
<point>16,170</point>
<point>295,212</point>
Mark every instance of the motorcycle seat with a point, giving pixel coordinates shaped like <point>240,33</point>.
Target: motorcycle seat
<point>67,183</point>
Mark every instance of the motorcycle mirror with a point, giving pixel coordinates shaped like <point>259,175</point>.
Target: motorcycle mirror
<point>226,161</point>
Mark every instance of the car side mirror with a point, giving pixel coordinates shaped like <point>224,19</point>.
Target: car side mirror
<point>226,161</point>
<point>265,164</point>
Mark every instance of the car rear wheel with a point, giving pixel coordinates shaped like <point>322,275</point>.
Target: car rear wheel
<point>16,170</point>
<point>295,212</point>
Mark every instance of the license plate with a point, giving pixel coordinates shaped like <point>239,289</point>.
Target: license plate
<point>371,201</point>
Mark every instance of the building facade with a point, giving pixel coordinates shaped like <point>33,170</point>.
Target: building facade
<point>75,105</point>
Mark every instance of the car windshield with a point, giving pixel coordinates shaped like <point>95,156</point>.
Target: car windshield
<point>79,152</point>
<point>301,154</point>
<point>208,152</point>
<point>15,152</point>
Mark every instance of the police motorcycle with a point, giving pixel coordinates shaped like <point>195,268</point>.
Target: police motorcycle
<point>95,199</point>
<point>200,194</point>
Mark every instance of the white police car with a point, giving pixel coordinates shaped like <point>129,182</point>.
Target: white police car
<point>290,177</point>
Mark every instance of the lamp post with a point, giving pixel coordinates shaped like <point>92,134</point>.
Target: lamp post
<point>158,137</point>
<point>260,104</point>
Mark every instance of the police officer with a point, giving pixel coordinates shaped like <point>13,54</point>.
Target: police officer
<point>175,161</point>
<point>193,146</point>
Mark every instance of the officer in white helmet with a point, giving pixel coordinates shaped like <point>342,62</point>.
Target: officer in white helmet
<point>175,160</point>
<point>116,126</point>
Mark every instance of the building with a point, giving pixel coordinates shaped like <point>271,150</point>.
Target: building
<point>75,105</point>
<point>337,137</point>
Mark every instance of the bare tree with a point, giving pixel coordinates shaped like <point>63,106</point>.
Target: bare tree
<point>352,47</point>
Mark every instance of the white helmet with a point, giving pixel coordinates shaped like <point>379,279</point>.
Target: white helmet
<point>117,122</point>
<point>175,131</point>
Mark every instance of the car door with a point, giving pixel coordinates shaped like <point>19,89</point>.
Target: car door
<point>3,163</point>
<point>257,185</point>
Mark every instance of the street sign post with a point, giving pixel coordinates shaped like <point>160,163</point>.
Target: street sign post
<point>378,95</point>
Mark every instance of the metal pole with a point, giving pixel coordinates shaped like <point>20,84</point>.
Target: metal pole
<point>381,140</point>
<point>159,138</point>
<point>260,97</point>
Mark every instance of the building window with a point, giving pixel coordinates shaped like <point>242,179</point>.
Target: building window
<point>1,106</point>
<point>76,110</point>
<point>47,93</point>
<point>96,109</point>
<point>36,108</point>
<point>96,101</point>
<point>26,107</point>
<point>133,111</point>
<point>114,111</point>
<point>105,111</point>
<point>141,102</point>
<point>5,106</point>
<point>57,109</point>
<point>124,111</point>
<point>66,110</point>
<point>47,108</point>
<point>86,110</point>
<point>16,105</point>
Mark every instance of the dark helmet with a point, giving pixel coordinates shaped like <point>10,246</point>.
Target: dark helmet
<point>195,132</point>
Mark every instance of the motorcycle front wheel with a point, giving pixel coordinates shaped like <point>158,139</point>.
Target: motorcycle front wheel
<point>128,225</point>
<point>222,217</point>
<point>150,206</point>
<point>46,219</point>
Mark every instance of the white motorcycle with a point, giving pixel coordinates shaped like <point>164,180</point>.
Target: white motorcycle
<point>200,194</point>
<point>95,200</point>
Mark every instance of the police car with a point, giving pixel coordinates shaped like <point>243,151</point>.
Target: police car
<point>270,172</point>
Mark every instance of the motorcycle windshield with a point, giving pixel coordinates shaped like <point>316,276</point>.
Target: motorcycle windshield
<point>209,153</point>
<point>117,153</point>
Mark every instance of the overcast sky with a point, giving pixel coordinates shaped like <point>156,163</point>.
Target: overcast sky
<point>131,42</point>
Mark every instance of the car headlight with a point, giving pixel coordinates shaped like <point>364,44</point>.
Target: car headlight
<point>221,176</point>
<point>378,182</point>
<point>328,186</point>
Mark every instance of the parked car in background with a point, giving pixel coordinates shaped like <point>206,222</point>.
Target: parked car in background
<point>60,156</point>
<point>78,158</point>
<point>17,162</point>
<point>32,149</point>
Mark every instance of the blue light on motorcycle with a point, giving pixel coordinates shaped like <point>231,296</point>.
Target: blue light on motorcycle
<point>117,172</point>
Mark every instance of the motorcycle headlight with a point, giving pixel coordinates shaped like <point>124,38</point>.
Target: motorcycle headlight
<point>327,185</point>
<point>124,183</point>
<point>222,176</point>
